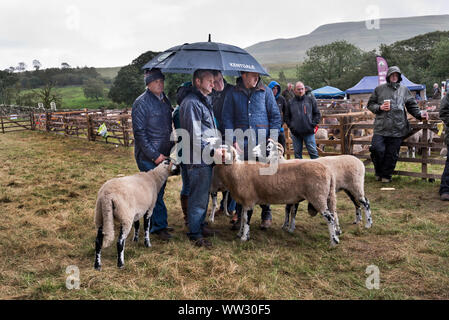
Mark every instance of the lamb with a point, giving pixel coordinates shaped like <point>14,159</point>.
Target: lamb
<point>418,137</point>
<point>413,139</point>
<point>321,134</point>
<point>126,200</point>
<point>291,183</point>
<point>349,175</point>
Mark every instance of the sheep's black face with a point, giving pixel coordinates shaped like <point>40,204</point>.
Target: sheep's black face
<point>175,169</point>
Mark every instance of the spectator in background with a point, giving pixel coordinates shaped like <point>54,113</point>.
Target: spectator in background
<point>444,115</point>
<point>152,127</point>
<point>417,96</point>
<point>309,91</point>
<point>436,92</point>
<point>288,92</point>
<point>390,103</point>
<point>302,116</point>
<point>282,104</point>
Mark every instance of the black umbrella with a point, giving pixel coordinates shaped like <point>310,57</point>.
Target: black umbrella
<point>187,58</point>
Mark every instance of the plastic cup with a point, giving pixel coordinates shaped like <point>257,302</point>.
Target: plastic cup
<point>424,114</point>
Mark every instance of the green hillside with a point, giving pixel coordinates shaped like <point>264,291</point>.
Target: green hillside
<point>390,30</point>
<point>73,98</point>
<point>109,73</point>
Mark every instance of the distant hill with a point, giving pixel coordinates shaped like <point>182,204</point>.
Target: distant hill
<point>109,73</point>
<point>391,30</point>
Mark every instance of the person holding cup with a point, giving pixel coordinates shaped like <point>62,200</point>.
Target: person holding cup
<point>390,102</point>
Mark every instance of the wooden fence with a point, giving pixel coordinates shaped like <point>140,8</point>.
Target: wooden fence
<point>346,142</point>
<point>15,122</point>
<point>85,124</point>
<point>81,124</point>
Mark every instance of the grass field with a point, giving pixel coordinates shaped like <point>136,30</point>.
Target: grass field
<point>288,68</point>
<point>73,98</point>
<point>48,187</point>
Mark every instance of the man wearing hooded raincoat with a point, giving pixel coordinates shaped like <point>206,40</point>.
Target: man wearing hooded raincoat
<point>390,103</point>
<point>282,104</point>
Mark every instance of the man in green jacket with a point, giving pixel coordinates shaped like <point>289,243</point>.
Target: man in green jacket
<point>444,115</point>
<point>390,103</point>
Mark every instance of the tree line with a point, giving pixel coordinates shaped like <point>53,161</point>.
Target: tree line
<point>15,86</point>
<point>423,59</point>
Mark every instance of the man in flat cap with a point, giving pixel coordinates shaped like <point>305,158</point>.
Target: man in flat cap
<point>152,127</point>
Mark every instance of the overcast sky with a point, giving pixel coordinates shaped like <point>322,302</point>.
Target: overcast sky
<point>112,33</point>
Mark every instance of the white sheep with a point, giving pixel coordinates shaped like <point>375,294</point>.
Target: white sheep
<point>290,183</point>
<point>217,186</point>
<point>126,200</point>
<point>418,137</point>
<point>349,175</point>
<point>321,134</point>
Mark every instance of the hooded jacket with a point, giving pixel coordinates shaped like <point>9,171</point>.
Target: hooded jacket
<point>197,118</point>
<point>393,123</point>
<point>280,100</point>
<point>444,115</point>
<point>302,115</point>
<point>251,109</point>
<point>152,126</point>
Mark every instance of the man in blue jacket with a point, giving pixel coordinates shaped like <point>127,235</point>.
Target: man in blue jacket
<point>251,105</point>
<point>302,116</point>
<point>197,118</point>
<point>152,127</point>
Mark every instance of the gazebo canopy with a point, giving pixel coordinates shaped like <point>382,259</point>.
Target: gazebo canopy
<point>369,83</point>
<point>328,92</point>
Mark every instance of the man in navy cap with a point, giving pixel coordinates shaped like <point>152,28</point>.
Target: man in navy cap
<point>152,127</point>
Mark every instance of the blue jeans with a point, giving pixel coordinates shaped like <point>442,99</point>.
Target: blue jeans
<point>309,140</point>
<point>159,216</point>
<point>185,191</point>
<point>444,186</point>
<point>200,179</point>
<point>231,202</point>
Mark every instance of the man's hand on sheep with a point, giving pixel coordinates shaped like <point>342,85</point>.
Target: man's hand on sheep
<point>160,159</point>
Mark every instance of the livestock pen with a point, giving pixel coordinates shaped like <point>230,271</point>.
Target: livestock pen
<point>348,120</point>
